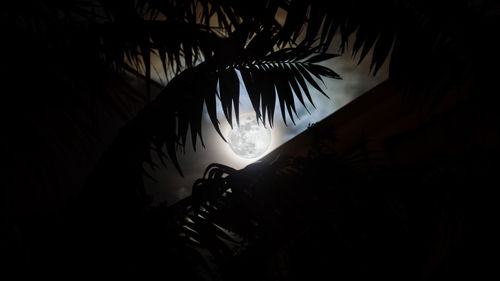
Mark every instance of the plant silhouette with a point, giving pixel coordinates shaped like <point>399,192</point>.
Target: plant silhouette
<point>265,221</point>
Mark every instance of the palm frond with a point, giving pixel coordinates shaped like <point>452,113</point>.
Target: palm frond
<point>239,216</point>
<point>322,20</point>
<point>176,114</point>
<point>426,37</point>
<point>280,75</point>
<point>220,217</point>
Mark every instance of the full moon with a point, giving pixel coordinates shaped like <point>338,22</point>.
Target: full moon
<point>249,140</point>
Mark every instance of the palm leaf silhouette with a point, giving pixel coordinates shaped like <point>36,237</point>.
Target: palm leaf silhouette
<point>427,38</point>
<point>178,108</point>
<point>240,48</point>
<point>211,47</point>
<point>127,34</point>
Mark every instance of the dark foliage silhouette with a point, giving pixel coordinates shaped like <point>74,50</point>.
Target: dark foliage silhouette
<point>290,220</point>
<point>321,215</point>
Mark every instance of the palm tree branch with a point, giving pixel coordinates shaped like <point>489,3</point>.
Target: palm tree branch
<point>405,26</point>
<point>265,80</point>
<point>177,111</point>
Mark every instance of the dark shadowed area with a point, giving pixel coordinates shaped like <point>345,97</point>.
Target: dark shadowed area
<point>168,186</point>
<point>114,114</point>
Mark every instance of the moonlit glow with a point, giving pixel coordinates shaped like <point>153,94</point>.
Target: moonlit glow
<point>249,139</point>
<point>355,82</point>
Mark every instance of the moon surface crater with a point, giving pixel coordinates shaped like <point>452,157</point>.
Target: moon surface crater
<point>249,139</point>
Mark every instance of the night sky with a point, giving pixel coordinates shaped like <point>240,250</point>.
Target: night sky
<point>398,184</point>
<point>356,80</point>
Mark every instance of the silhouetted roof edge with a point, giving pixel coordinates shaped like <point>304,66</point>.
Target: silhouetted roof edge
<point>299,144</point>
